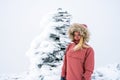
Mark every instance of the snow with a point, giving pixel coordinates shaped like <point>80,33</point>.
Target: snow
<point>108,72</point>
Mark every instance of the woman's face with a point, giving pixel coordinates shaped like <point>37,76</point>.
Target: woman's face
<point>76,35</point>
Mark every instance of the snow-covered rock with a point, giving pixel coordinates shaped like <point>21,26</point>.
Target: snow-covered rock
<point>47,49</point>
<point>108,72</point>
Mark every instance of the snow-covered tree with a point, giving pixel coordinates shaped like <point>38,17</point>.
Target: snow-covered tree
<point>47,49</point>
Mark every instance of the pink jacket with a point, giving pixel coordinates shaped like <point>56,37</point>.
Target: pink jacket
<point>78,65</point>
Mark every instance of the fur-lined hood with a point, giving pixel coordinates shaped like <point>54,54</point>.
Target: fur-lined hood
<point>82,28</point>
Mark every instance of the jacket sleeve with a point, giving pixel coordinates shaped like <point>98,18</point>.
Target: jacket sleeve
<point>89,64</point>
<point>63,73</point>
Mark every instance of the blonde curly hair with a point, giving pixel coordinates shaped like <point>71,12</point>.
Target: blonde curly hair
<point>82,28</point>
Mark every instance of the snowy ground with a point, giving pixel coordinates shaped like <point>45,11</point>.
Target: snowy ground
<point>108,72</point>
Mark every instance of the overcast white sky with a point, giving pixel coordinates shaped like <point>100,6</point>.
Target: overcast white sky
<point>20,24</point>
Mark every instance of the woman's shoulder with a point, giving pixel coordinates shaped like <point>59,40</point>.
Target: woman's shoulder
<point>89,47</point>
<point>69,44</point>
<point>90,50</point>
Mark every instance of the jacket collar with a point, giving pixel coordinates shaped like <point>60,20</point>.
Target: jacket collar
<point>76,41</point>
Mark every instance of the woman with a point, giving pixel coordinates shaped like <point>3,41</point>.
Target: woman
<point>78,61</point>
